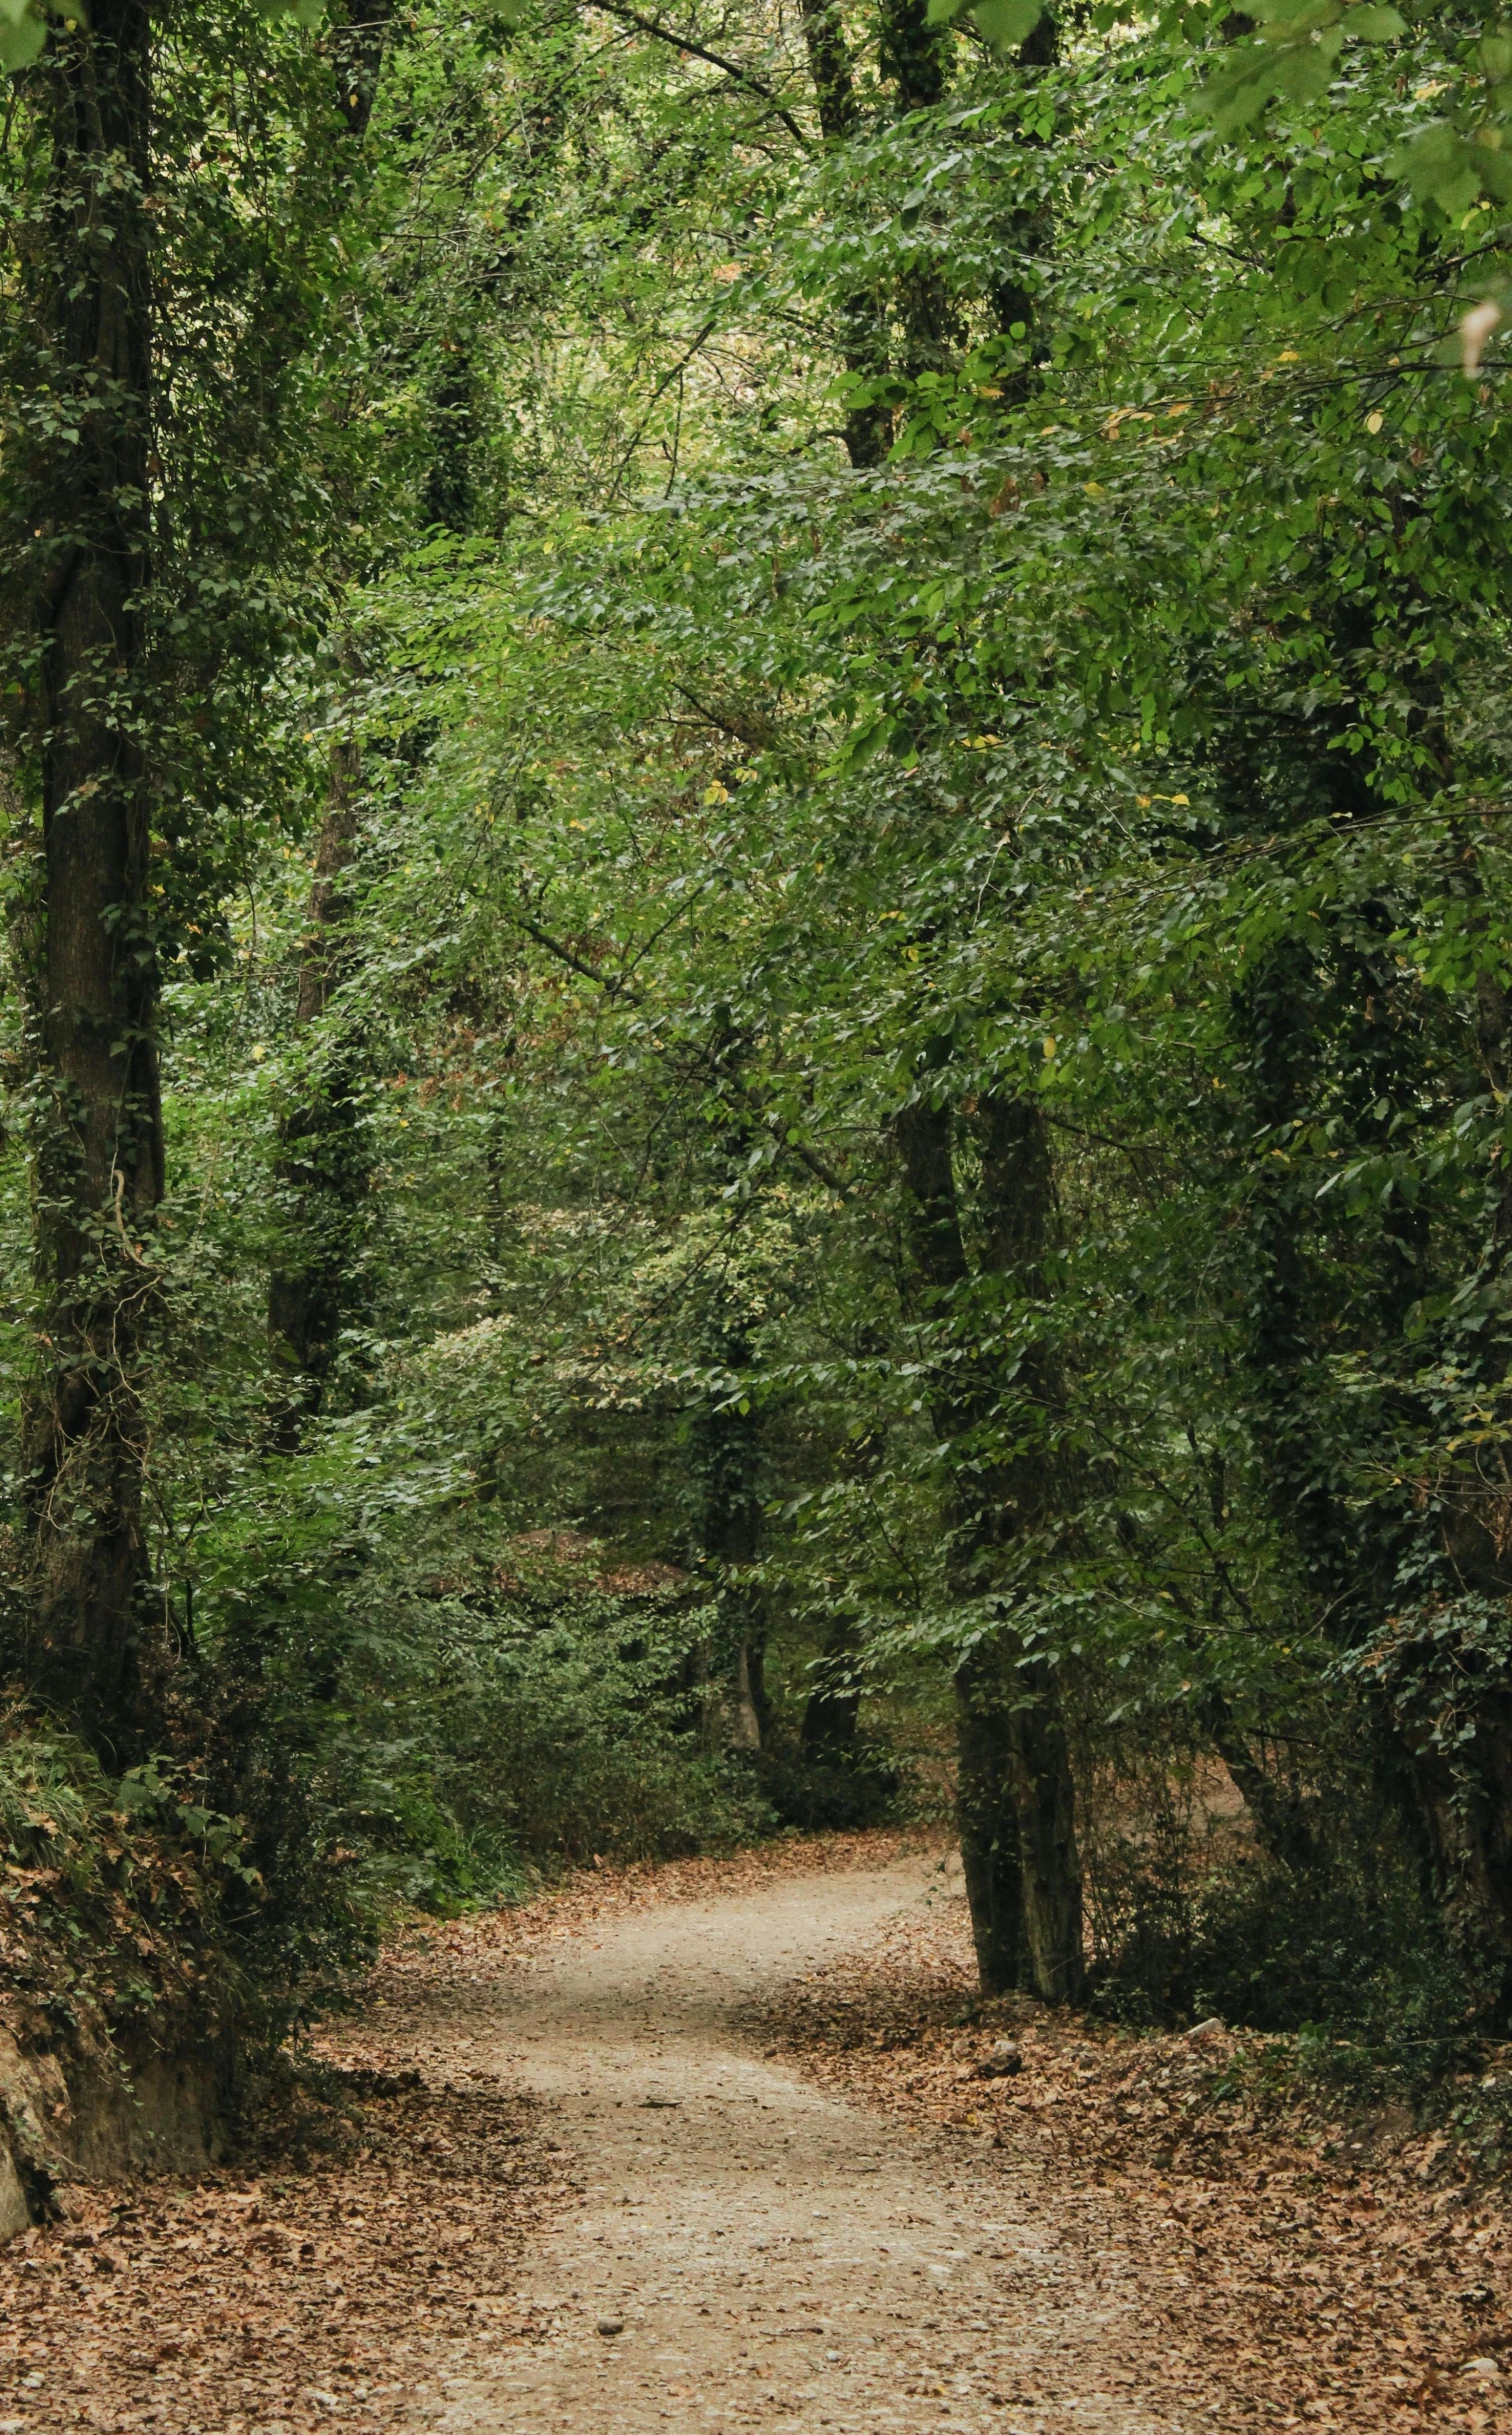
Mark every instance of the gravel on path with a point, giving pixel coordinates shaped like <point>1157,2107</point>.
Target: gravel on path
<point>746,2249</point>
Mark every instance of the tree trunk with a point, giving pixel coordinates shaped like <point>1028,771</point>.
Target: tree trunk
<point>987,1815</point>
<point>832,1711</point>
<point>1018,1193</point>
<point>98,1649</point>
<point>358,32</point>
<point>913,54</point>
<point>863,334</point>
<point>1016,1799</point>
<point>1045,1802</point>
<point>324,1170</point>
<point>1445,1681</point>
<point>1410,1588</point>
<point>727,1459</point>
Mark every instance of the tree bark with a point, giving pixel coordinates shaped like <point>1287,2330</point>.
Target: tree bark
<point>727,1463</point>
<point>1016,1798</point>
<point>913,54</point>
<point>986,1801</point>
<point>358,33</point>
<point>324,1170</point>
<point>863,332</point>
<point>832,1711</point>
<point>99,1651</point>
<point>1018,1195</point>
<point>987,1816</point>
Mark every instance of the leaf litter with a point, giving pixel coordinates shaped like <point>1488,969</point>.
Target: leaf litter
<point>374,2215</point>
<point>1302,2268</point>
<point>1307,2268</point>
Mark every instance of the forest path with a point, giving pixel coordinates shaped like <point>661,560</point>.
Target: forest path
<point>774,2255</point>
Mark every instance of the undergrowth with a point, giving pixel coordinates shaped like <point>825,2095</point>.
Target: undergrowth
<point>114,1890</point>
<point>1338,1957</point>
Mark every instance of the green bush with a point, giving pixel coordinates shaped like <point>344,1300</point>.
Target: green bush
<point>820,1795</point>
<point>116,1891</point>
<point>1344,1948</point>
<point>574,1732</point>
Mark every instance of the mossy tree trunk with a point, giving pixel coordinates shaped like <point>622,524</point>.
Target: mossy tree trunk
<point>324,1170</point>
<point>324,1173</point>
<point>101,1648</point>
<point>1015,1798</point>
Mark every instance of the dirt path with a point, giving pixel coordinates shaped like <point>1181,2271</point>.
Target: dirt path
<point>747,2249</point>
<point>734,2109</point>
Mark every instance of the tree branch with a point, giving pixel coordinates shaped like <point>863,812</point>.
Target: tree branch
<point>728,67</point>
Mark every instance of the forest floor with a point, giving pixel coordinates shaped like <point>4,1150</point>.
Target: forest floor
<point>712,2146</point>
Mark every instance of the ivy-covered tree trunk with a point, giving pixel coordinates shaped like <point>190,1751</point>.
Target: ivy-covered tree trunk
<point>863,318</point>
<point>1015,1798</point>
<point>726,1444</point>
<point>1439,1663</point>
<point>1016,1207</point>
<point>1412,1585</point>
<point>727,1462</point>
<point>100,1649</point>
<point>832,1711</point>
<point>324,1170</point>
<point>358,32</point>
<point>986,1801</point>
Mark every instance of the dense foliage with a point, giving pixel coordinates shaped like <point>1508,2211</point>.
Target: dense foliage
<point>760,1021</point>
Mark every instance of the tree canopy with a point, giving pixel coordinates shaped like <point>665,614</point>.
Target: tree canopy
<point>759,1021</point>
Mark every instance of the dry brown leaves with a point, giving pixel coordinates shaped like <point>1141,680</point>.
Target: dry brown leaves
<point>463,1954</point>
<point>1356,2288</point>
<point>310,2293</point>
<point>375,2214</point>
<point>1302,2271</point>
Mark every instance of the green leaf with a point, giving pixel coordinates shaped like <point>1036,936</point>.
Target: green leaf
<point>1374,24</point>
<point>1496,57</point>
<point>1292,20</point>
<point>1441,167</point>
<point>1306,72</point>
<point>1008,24</point>
<point>866,744</point>
<point>941,12</point>
<point>22,33</point>
<point>1240,91</point>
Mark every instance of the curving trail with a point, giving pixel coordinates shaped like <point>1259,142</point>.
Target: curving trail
<point>772,2255</point>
